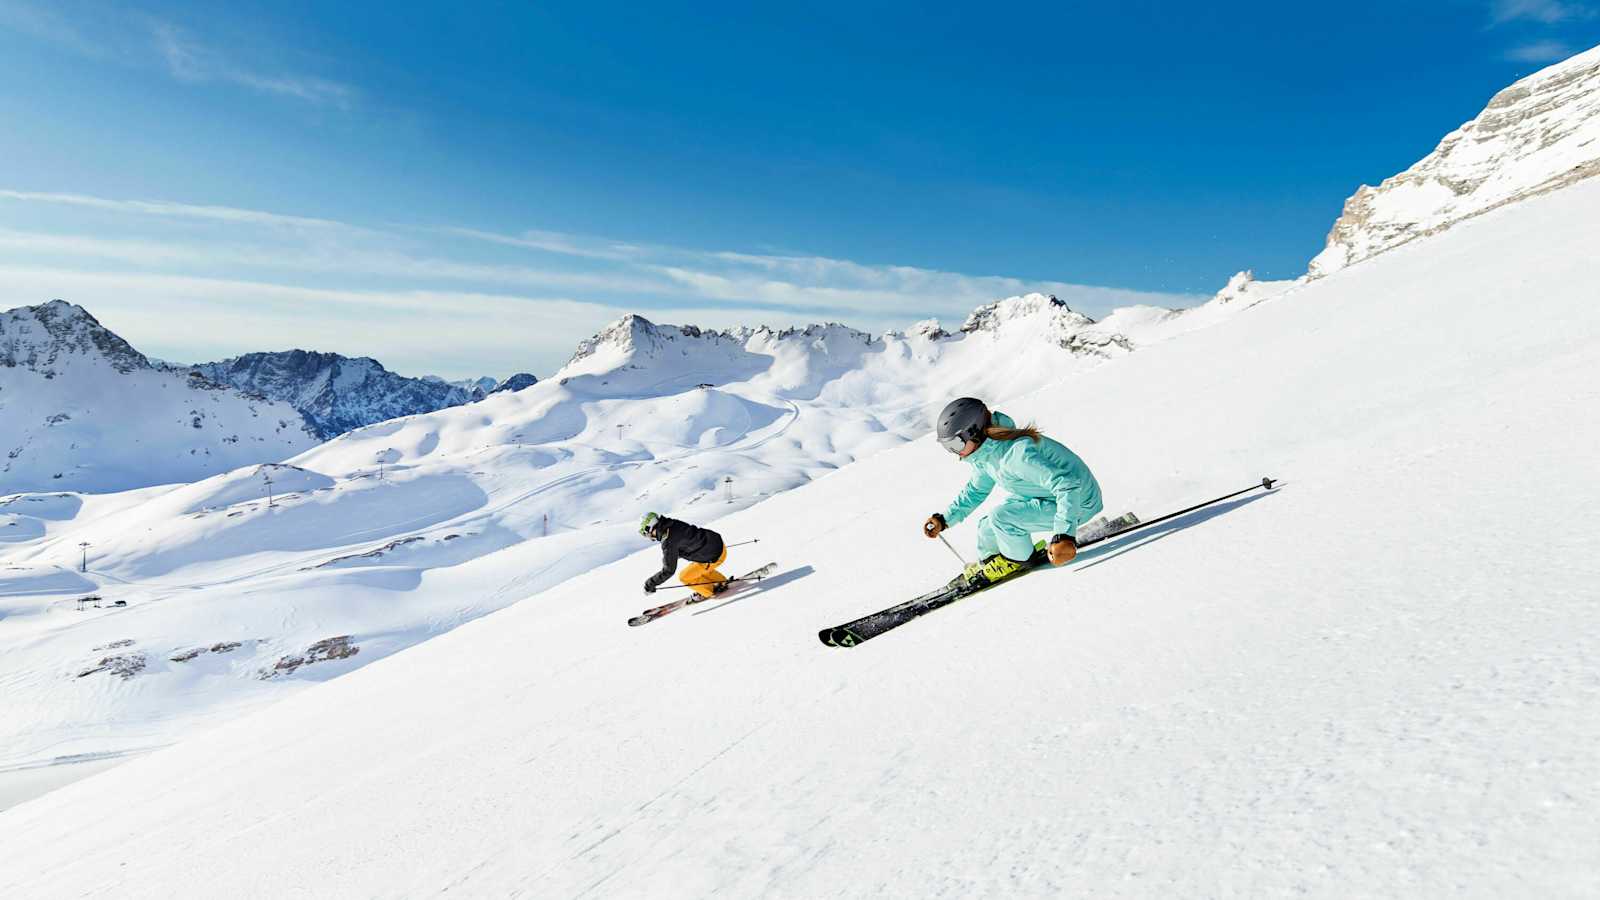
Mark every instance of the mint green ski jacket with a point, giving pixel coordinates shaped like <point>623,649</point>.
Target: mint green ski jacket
<point>1045,470</point>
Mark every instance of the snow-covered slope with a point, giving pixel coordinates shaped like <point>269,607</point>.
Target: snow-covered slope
<point>399,531</point>
<point>335,393</point>
<point>81,410</point>
<point>1537,135</point>
<point>1380,680</point>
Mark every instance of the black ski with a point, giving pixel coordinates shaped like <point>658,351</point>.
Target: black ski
<point>868,627</point>
<point>656,612</point>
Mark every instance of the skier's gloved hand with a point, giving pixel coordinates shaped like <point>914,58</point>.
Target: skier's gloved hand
<point>1062,549</point>
<point>934,525</point>
<point>649,586</point>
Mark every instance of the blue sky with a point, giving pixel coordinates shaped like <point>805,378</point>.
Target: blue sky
<point>470,191</point>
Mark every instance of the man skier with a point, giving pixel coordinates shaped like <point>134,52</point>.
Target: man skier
<point>702,547</point>
<point>1051,489</point>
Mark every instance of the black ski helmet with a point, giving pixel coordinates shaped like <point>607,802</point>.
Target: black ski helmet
<point>961,421</point>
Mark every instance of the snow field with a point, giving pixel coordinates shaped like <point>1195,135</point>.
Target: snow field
<point>1381,679</point>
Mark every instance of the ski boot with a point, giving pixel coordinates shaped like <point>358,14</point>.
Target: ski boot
<point>720,587</point>
<point>988,571</point>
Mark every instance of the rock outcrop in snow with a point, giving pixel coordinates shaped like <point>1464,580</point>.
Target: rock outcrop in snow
<point>1539,134</point>
<point>517,382</point>
<point>81,409</point>
<point>335,393</point>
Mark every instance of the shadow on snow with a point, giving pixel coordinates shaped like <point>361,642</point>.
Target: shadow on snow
<point>767,584</point>
<point>1115,547</point>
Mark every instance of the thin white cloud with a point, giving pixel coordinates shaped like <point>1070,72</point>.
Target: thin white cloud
<point>827,287</point>
<point>814,282</point>
<point>557,242</point>
<point>189,60</point>
<point>1544,12</point>
<point>46,24</point>
<point>133,38</point>
<point>177,210</point>
<point>193,319</point>
<point>301,271</point>
<point>342,260</point>
<point>1539,52</point>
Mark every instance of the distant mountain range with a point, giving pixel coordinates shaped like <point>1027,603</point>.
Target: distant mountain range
<point>81,409</point>
<point>336,393</point>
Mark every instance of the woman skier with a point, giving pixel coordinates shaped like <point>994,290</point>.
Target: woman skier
<point>1051,490</point>
<point>702,547</point>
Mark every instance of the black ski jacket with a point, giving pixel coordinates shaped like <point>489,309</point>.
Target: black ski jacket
<point>701,545</point>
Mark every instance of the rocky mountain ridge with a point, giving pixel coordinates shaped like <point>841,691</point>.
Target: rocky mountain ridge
<point>1539,134</point>
<point>335,393</point>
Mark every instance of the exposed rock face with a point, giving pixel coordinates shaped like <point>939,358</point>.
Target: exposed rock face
<point>1537,135</point>
<point>515,383</point>
<point>322,651</point>
<point>122,665</point>
<point>40,338</point>
<point>334,393</point>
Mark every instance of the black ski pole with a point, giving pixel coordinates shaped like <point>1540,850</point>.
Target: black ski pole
<point>742,543</point>
<point>1265,485</point>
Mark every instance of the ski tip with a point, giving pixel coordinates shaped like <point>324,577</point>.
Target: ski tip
<point>837,637</point>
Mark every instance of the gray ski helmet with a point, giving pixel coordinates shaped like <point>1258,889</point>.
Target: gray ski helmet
<point>961,421</point>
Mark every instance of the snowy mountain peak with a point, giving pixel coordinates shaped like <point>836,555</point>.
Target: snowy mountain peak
<point>1236,287</point>
<point>634,340</point>
<point>1046,315</point>
<point>1537,135</point>
<point>632,336</point>
<point>42,338</point>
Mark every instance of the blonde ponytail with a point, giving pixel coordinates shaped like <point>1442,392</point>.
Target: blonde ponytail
<point>996,433</point>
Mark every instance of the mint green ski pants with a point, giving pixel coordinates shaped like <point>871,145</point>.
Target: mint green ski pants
<point>1010,528</point>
